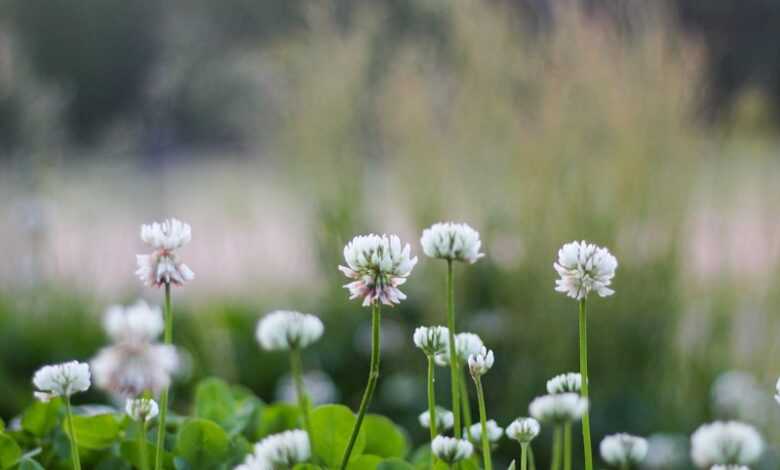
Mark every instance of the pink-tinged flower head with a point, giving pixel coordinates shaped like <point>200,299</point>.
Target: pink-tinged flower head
<point>584,267</point>
<point>162,266</point>
<point>378,265</point>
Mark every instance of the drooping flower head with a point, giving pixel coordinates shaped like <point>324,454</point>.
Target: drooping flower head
<point>494,431</point>
<point>162,266</point>
<point>523,430</point>
<point>282,450</point>
<point>451,450</point>
<point>622,450</point>
<point>61,380</point>
<point>481,362</point>
<point>451,241</point>
<point>466,344</point>
<point>559,408</point>
<point>444,419</point>
<point>135,362</point>
<point>726,443</point>
<point>141,409</point>
<point>283,329</point>
<point>377,265</point>
<point>570,382</point>
<point>584,267</point>
<point>432,340</point>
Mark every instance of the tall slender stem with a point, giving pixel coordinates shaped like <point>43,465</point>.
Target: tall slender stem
<point>373,375</point>
<point>567,446</point>
<point>532,460</point>
<point>432,403</point>
<point>296,368</point>
<point>168,339</point>
<point>556,450</point>
<point>465,400</point>
<point>483,420</point>
<point>142,444</point>
<point>74,448</point>
<point>524,456</point>
<point>585,384</point>
<point>454,361</point>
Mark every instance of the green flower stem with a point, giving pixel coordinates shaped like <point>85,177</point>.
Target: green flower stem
<point>532,461</point>
<point>296,368</point>
<point>567,446</point>
<point>432,403</point>
<point>524,456</point>
<point>454,361</point>
<point>465,400</point>
<point>142,444</point>
<point>373,375</point>
<point>74,448</point>
<point>483,421</point>
<point>585,383</point>
<point>168,339</point>
<point>556,450</point>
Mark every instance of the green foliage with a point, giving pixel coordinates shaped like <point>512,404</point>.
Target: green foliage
<point>40,418</point>
<point>233,408</point>
<point>332,426</point>
<point>94,432</point>
<point>202,443</point>
<point>29,464</point>
<point>394,464</point>
<point>277,418</point>
<point>384,438</point>
<point>9,451</point>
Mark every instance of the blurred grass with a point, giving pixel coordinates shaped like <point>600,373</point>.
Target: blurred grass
<point>535,140</point>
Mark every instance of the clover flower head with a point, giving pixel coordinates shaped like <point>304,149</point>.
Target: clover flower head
<point>162,266</point>
<point>481,362</point>
<point>451,450</point>
<point>584,267</point>
<point>432,340</point>
<point>284,449</point>
<point>378,265</point>
<point>570,382</point>
<point>444,419</point>
<point>558,408</point>
<point>451,241</point>
<point>621,450</point>
<point>666,451</point>
<point>283,329</point>
<point>523,430</point>
<point>141,409</point>
<point>127,369</point>
<point>136,323</point>
<point>61,380</point>
<point>725,443</point>
<point>466,344</point>
<point>494,431</point>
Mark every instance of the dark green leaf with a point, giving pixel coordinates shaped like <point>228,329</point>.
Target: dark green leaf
<point>384,438</point>
<point>331,428</point>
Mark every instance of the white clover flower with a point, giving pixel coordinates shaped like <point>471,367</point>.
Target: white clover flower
<point>136,323</point>
<point>318,385</point>
<point>623,450</point>
<point>777,388</point>
<point>284,329</point>
<point>162,266</point>
<point>128,369</point>
<point>432,340</point>
<point>558,408</point>
<point>481,362</point>
<point>523,430</point>
<point>378,265</point>
<point>254,462</point>
<point>141,409</point>
<point>666,451</point>
<point>570,382</point>
<point>584,267</point>
<point>451,241</point>
<point>61,380</point>
<point>494,431</point>
<point>725,443</point>
<point>451,450</point>
<point>444,419</point>
<point>284,449</point>
<point>466,344</point>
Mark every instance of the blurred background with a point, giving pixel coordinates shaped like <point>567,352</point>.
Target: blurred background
<point>280,129</point>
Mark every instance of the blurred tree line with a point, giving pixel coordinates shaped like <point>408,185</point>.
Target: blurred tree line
<point>159,66</point>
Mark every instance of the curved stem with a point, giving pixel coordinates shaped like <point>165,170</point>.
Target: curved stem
<point>373,375</point>
<point>454,361</point>
<point>567,446</point>
<point>524,456</point>
<point>432,403</point>
<point>296,368</point>
<point>465,400</point>
<point>483,420</point>
<point>556,450</point>
<point>142,444</point>
<point>585,384</point>
<point>168,338</point>
<point>74,448</point>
